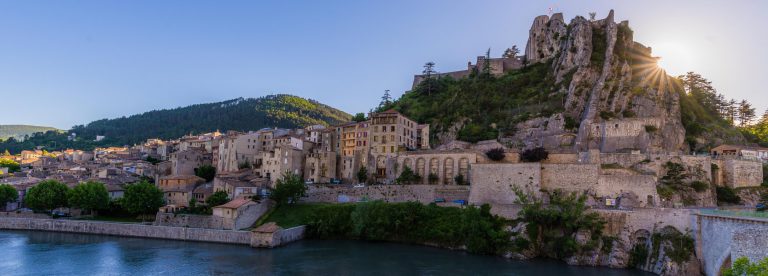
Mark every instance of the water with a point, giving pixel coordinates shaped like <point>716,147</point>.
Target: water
<point>50,253</point>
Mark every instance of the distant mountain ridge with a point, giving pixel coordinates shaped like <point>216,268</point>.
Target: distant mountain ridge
<point>19,131</point>
<point>242,114</point>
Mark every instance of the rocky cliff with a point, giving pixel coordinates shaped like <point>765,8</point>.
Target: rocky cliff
<point>617,99</point>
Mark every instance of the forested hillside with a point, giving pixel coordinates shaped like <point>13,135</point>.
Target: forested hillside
<point>241,114</point>
<point>19,131</point>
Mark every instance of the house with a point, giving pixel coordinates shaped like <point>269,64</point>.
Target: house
<point>185,162</point>
<point>239,184</point>
<point>202,192</point>
<point>742,152</point>
<point>176,182</point>
<point>115,191</point>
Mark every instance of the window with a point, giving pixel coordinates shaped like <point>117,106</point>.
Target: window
<point>392,128</point>
<point>391,148</point>
<point>383,149</point>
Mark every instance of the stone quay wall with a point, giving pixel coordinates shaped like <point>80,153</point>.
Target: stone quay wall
<point>127,230</point>
<point>278,238</point>
<point>721,239</point>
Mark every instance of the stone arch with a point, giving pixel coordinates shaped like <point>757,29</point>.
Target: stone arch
<point>448,171</point>
<point>407,163</point>
<point>421,166</point>
<point>464,167</point>
<point>434,166</point>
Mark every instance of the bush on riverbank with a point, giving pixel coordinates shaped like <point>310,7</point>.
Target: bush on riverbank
<point>412,222</point>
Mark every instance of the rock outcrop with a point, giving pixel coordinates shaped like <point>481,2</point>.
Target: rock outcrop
<point>617,98</point>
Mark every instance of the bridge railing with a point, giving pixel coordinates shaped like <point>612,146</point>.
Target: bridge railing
<point>735,213</point>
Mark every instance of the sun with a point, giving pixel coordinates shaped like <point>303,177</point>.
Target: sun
<point>674,57</point>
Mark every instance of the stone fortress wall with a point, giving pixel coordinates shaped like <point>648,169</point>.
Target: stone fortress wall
<point>389,193</point>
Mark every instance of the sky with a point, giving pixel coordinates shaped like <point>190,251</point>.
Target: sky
<point>64,63</point>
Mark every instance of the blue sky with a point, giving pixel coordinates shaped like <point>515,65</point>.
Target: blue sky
<point>71,62</point>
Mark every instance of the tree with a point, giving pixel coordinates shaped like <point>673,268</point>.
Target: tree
<point>534,155</point>
<point>7,153</point>
<point>496,154</point>
<point>142,198</point>
<point>386,101</point>
<point>362,175</point>
<point>206,172</point>
<point>511,52</point>
<point>675,174</point>
<point>486,73</point>
<point>89,196</point>
<point>10,164</point>
<point>731,111</point>
<point>746,113</point>
<point>288,189</point>
<point>743,267</point>
<point>408,176</point>
<point>459,179</point>
<point>217,198</point>
<point>7,194</point>
<point>429,70</point>
<point>359,117</point>
<point>47,195</point>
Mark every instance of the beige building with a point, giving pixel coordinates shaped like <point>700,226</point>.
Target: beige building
<point>391,133</point>
<point>238,150</point>
<point>185,162</point>
<point>284,158</point>
<point>320,166</point>
<point>178,189</point>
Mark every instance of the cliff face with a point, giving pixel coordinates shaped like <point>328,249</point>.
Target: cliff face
<point>616,98</point>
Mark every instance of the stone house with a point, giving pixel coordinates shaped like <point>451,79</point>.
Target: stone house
<point>740,152</point>
<point>185,162</point>
<point>284,158</point>
<point>175,182</point>
<point>202,192</point>
<point>239,184</point>
<point>320,166</point>
<point>236,149</point>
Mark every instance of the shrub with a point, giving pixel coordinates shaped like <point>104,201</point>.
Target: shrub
<point>570,123</point>
<point>206,172</point>
<point>606,115</point>
<point>413,222</point>
<point>628,113</point>
<point>217,198</point>
<point>727,195</point>
<point>742,266</point>
<point>496,154</point>
<point>432,178</point>
<point>362,175</point>
<point>459,179</point>
<point>700,186</point>
<point>408,177</point>
<point>651,128</point>
<point>534,155</point>
<point>288,189</point>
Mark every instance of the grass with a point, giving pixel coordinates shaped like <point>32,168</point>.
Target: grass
<point>115,219</point>
<point>288,216</point>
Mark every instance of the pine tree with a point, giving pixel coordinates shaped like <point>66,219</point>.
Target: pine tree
<point>511,52</point>
<point>429,70</point>
<point>386,100</point>
<point>746,113</point>
<point>487,64</point>
<point>732,111</point>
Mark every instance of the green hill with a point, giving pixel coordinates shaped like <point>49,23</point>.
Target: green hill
<point>19,131</point>
<point>241,114</point>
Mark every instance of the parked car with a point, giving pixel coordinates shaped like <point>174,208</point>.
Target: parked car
<point>439,200</point>
<point>761,207</point>
<point>359,185</point>
<point>309,182</point>
<point>335,181</point>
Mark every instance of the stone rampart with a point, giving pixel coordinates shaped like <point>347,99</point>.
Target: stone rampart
<point>493,183</point>
<point>743,173</point>
<point>128,230</point>
<point>643,187</point>
<point>569,177</point>
<point>751,243</point>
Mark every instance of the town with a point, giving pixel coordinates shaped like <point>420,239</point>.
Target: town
<point>643,191</point>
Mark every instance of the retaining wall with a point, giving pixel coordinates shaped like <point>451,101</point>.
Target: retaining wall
<point>128,230</point>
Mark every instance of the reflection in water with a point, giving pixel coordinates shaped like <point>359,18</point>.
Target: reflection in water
<point>46,253</point>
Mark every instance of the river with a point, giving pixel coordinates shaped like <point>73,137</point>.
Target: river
<point>51,253</point>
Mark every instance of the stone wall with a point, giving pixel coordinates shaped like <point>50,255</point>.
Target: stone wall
<point>626,160</point>
<point>279,237</point>
<point>388,193</point>
<point>244,220</point>
<point>569,177</point>
<point>493,183</point>
<point>742,173</point>
<point>23,215</point>
<point>128,230</point>
<point>750,243</point>
<point>193,221</point>
<point>643,187</point>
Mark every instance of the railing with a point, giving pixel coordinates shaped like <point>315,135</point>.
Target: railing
<point>735,213</point>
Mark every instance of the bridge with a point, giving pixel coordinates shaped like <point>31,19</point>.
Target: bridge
<point>723,236</point>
